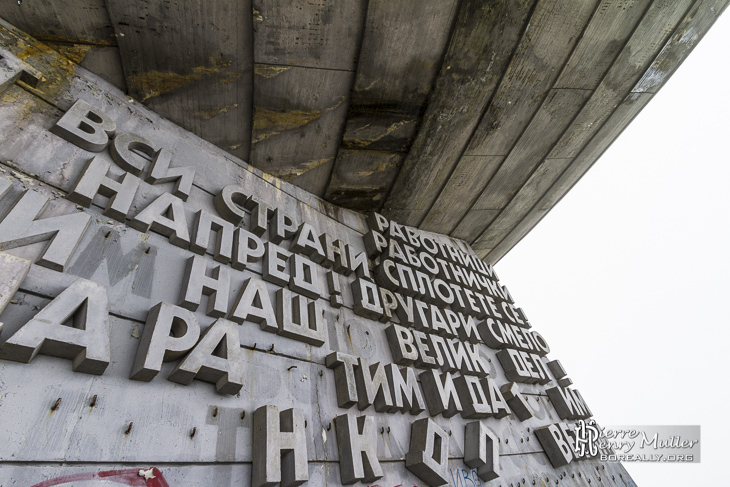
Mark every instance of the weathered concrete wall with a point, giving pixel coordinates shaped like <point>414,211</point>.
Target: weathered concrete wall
<point>64,427</point>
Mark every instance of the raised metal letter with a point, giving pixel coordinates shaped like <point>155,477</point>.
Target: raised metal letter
<point>357,446</point>
<point>279,448</point>
<point>170,332</point>
<point>428,456</point>
<point>75,326</point>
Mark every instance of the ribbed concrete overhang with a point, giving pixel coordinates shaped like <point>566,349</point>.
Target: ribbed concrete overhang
<point>467,118</point>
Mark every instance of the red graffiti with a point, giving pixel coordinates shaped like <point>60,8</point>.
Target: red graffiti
<point>127,477</point>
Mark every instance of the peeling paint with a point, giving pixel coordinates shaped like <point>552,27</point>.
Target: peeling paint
<point>58,71</point>
<point>23,178</point>
<point>147,474</point>
<point>653,77</point>
<point>690,36</point>
<point>633,96</point>
<point>668,60</point>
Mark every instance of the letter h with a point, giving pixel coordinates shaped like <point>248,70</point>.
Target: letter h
<point>279,448</point>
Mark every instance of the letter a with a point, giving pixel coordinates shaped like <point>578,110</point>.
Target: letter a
<point>75,326</point>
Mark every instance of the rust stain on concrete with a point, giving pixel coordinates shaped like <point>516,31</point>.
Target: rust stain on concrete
<point>268,71</point>
<point>382,166</point>
<point>155,83</point>
<point>290,173</point>
<point>66,40</point>
<point>231,78</point>
<point>267,123</point>
<point>74,52</point>
<point>362,143</point>
<point>57,69</point>
<point>208,114</point>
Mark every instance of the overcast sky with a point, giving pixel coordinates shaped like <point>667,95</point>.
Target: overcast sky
<point>628,278</point>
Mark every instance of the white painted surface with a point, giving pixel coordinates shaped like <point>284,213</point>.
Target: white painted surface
<point>628,276</point>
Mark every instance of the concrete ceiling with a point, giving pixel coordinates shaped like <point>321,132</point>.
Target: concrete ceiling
<point>469,118</point>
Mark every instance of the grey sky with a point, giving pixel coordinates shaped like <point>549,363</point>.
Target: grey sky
<point>628,277</point>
